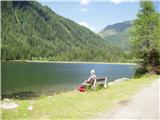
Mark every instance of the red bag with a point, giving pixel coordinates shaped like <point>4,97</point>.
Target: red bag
<point>81,89</point>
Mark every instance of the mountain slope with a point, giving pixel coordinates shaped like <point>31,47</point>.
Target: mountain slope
<point>117,34</point>
<point>32,31</point>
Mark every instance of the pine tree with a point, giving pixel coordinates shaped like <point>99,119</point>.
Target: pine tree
<point>146,36</point>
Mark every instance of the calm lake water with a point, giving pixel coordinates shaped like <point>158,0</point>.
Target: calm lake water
<point>48,78</point>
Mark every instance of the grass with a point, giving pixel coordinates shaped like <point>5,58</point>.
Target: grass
<point>76,105</point>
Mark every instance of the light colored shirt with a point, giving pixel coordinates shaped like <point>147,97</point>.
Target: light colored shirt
<point>92,77</point>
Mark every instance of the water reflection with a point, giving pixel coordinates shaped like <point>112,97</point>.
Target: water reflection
<point>48,78</point>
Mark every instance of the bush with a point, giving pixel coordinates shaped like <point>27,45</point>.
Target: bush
<point>98,87</point>
<point>140,71</point>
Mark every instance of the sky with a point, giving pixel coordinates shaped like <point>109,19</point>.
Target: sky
<point>96,14</point>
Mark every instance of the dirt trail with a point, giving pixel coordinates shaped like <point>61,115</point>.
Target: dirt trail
<point>144,105</point>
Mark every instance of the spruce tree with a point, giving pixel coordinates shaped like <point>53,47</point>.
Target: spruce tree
<point>146,37</point>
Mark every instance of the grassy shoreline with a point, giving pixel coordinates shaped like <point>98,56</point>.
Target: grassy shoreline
<point>73,62</point>
<point>76,105</point>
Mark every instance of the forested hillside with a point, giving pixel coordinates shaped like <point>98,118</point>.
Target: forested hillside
<point>34,32</point>
<point>118,34</point>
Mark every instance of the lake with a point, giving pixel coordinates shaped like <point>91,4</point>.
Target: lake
<point>49,78</point>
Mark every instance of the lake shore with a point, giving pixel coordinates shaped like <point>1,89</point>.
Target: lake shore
<point>73,62</point>
<point>76,105</point>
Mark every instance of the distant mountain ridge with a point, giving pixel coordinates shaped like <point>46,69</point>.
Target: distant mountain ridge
<point>118,34</point>
<point>35,32</point>
<point>119,26</point>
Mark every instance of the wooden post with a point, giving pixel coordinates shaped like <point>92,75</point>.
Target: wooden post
<point>94,84</point>
<point>105,82</point>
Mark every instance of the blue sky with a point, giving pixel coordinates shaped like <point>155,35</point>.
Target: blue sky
<point>95,14</point>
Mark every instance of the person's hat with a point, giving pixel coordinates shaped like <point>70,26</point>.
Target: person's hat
<point>92,72</point>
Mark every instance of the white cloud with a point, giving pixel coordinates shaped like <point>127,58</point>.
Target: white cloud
<point>86,25</point>
<point>84,2</point>
<point>120,1</point>
<point>116,1</point>
<point>84,9</point>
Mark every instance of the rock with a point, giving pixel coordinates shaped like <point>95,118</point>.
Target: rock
<point>50,96</point>
<point>30,108</point>
<point>6,100</point>
<point>8,105</point>
<point>118,80</point>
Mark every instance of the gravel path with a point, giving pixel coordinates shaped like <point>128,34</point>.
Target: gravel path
<point>144,105</point>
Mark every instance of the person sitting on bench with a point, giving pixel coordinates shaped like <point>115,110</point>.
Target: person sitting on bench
<point>89,81</point>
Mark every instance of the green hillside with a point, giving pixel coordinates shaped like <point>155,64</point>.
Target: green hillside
<point>34,32</point>
<point>117,34</point>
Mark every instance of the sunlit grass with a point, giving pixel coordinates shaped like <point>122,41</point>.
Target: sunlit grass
<point>75,104</point>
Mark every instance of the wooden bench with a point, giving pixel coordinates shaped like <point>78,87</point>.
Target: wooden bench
<point>102,80</point>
